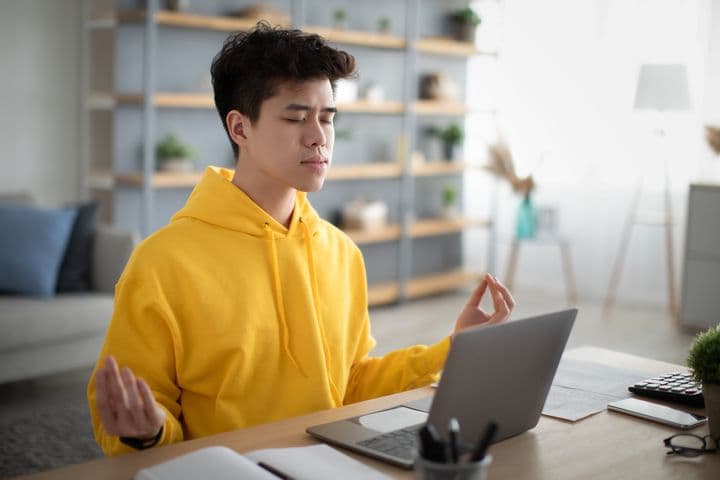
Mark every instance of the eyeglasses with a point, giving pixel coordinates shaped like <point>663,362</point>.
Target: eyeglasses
<point>689,445</point>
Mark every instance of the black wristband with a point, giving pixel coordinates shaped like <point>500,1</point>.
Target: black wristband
<point>140,444</point>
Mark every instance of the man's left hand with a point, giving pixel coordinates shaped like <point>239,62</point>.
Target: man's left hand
<point>473,315</point>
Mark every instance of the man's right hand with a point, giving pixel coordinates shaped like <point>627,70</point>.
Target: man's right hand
<point>125,403</point>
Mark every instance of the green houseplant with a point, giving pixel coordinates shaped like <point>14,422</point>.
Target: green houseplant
<point>704,360</point>
<point>340,19</point>
<point>465,22</point>
<point>452,138</point>
<point>172,155</point>
<point>449,199</point>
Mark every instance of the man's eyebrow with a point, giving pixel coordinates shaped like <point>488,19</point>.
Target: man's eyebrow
<point>296,106</point>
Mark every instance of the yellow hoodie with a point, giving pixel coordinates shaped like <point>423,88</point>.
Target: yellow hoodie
<point>235,320</point>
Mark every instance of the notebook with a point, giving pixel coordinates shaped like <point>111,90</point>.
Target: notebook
<point>316,462</point>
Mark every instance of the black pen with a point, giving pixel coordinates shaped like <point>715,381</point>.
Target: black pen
<point>275,471</point>
<point>454,433</point>
<point>432,448</point>
<point>481,447</point>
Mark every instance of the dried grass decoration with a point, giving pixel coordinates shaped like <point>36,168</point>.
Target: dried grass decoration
<point>502,165</point>
<point>712,135</point>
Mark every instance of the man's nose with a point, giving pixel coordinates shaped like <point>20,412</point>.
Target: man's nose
<point>315,134</point>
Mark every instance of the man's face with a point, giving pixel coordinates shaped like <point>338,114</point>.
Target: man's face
<point>291,143</point>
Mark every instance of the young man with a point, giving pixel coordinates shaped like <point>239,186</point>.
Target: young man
<point>247,307</point>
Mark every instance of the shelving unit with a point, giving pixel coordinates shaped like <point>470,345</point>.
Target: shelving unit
<point>154,102</point>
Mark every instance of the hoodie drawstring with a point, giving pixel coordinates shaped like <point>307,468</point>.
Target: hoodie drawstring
<point>316,300</point>
<point>279,304</point>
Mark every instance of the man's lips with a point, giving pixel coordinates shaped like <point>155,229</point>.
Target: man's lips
<point>317,159</point>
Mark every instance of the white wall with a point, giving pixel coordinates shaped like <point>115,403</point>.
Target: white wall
<point>40,98</point>
<point>567,78</point>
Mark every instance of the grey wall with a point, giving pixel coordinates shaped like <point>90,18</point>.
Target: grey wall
<point>40,98</point>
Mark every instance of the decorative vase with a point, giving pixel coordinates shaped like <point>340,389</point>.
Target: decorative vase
<point>711,392</point>
<point>526,219</point>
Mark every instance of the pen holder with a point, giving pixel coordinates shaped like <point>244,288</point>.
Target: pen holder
<point>427,470</point>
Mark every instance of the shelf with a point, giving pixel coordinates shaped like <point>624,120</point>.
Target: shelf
<point>190,20</point>
<point>437,283</point>
<point>361,106</point>
<point>354,37</point>
<point>429,169</point>
<point>448,46</point>
<point>434,107</point>
<point>370,170</point>
<point>169,100</point>
<point>440,226</point>
<point>160,179</point>
<point>388,234</point>
<point>383,293</point>
<point>205,100</point>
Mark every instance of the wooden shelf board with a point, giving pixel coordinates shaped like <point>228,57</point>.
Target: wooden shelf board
<point>170,100</point>
<point>370,170</point>
<point>361,106</point>
<point>205,100</point>
<point>441,226</point>
<point>434,107</point>
<point>160,179</point>
<point>428,169</point>
<point>445,46</point>
<point>190,20</point>
<point>383,293</point>
<point>439,282</point>
<point>388,234</point>
<point>354,37</point>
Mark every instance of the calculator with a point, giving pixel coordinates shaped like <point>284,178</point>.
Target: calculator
<point>674,387</point>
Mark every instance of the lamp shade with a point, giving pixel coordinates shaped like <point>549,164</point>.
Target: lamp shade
<point>662,87</point>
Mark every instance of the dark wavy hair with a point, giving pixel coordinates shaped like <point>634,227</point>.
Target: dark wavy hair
<point>251,65</point>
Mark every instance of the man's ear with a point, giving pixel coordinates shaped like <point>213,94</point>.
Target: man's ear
<point>237,125</point>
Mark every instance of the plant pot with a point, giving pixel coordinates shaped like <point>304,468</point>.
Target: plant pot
<point>711,392</point>
<point>450,212</point>
<point>464,32</point>
<point>176,165</point>
<point>450,151</point>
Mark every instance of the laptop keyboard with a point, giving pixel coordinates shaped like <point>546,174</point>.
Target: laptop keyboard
<point>398,443</point>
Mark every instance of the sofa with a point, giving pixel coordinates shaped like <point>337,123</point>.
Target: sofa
<point>47,335</point>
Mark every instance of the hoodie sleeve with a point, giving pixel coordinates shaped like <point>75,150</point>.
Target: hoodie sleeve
<point>401,370</point>
<point>397,371</point>
<point>141,336</point>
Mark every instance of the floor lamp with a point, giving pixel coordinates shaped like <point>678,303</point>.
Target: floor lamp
<point>660,88</point>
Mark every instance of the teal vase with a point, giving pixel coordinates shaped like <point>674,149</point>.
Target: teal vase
<point>526,219</point>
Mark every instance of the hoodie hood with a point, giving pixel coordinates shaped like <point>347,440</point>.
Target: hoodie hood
<point>217,201</point>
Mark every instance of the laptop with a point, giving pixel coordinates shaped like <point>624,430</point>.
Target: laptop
<point>499,373</point>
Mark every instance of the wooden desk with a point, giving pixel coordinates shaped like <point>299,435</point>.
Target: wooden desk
<point>607,445</point>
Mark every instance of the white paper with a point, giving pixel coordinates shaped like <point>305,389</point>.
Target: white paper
<point>316,462</point>
<point>216,463</point>
<point>393,419</point>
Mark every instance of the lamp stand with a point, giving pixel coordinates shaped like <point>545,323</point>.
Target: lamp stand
<point>663,220</point>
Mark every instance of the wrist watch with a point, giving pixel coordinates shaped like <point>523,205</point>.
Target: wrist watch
<point>142,444</point>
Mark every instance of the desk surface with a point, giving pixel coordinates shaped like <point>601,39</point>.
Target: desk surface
<point>606,445</point>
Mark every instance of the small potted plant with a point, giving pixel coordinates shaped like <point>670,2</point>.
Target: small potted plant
<point>449,199</point>
<point>452,138</point>
<point>383,25</point>
<point>704,360</point>
<point>172,155</point>
<point>340,19</point>
<point>464,22</point>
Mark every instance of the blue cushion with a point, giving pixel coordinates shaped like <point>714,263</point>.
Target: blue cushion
<point>32,246</point>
